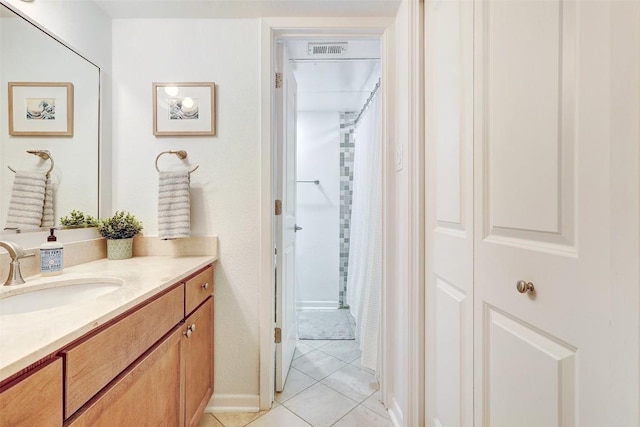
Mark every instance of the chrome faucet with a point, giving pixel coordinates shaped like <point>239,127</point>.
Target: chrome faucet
<point>16,253</point>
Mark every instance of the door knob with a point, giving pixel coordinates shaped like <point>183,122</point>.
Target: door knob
<point>297,228</point>
<point>523,287</point>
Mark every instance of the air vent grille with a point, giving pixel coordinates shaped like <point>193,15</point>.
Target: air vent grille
<point>320,49</point>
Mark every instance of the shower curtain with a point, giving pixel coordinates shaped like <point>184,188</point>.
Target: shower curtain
<point>364,280</point>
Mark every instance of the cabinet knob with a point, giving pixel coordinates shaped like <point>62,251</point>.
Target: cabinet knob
<point>525,287</point>
<point>205,285</point>
<point>189,331</point>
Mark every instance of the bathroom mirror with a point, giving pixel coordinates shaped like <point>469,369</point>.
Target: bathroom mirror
<point>29,55</point>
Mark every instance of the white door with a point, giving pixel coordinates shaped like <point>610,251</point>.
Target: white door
<point>542,199</point>
<point>449,206</point>
<point>286,222</point>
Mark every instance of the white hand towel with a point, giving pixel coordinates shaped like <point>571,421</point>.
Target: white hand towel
<point>174,206</point>
<point>48,219</point>
<point>27,200</point>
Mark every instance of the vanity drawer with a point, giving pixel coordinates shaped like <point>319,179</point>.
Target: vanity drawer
<point>93,363</point>
<point>197,289</point>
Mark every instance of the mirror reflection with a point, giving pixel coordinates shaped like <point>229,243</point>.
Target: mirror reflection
<point>49,110</point>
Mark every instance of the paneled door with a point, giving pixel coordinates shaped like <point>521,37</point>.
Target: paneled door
<point>286,221</point>
<point>449,205</point>
<point>542,226</point>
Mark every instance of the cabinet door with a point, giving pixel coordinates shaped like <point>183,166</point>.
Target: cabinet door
<point>198,361</point>
<point>148,393</point>
<point>93,363</point>
<point>35,400</point>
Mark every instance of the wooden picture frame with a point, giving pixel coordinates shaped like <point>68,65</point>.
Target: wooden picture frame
<point>184,109</point>
<point>40,109</point>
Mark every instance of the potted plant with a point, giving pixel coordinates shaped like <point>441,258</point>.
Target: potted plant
<point>119,230</point>
<point>78,219</point>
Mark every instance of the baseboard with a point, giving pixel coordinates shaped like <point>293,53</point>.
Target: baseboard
<point>395,413</point>
<point>317,305</point>
<point>233,403</point>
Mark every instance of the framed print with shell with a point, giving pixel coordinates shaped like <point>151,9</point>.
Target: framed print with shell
<point>184,109</point>
<point>40,109</point>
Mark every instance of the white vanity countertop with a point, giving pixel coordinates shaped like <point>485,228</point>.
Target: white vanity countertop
<point>28,337</point>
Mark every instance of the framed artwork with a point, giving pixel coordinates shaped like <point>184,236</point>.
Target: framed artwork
<point>184,109</point>
<point>40,109</point>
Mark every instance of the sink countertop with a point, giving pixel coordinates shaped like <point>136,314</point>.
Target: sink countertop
<point>28,337</point>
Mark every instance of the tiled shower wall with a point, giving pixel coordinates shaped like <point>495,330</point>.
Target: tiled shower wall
<point>347,149</point>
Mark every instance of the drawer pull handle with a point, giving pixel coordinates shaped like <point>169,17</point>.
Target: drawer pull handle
<point>205,285</point>
<point>189,331</point>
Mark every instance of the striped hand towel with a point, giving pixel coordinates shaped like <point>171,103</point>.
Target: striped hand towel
<point>27,200</point>
<point>174,206</point>
<point>48,219</point>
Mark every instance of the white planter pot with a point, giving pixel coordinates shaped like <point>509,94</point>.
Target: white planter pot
<point>119,248</point>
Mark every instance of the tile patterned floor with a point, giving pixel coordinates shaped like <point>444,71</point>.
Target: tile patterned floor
<point>326,386</point>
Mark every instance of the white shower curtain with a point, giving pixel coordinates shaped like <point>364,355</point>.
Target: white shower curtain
<point>364,279</point>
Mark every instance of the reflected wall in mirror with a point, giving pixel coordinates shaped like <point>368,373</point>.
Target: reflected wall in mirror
<point>28,54</point>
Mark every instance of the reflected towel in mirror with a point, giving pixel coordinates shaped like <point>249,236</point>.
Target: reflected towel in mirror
<point>31,203</point>
<point>174,206</point>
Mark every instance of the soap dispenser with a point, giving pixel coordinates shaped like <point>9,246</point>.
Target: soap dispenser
<point>51,256</point>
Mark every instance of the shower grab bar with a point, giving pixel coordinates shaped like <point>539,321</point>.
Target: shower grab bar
<point>316,182</point>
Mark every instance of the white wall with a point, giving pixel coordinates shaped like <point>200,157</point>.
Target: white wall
<point>81,25</point>
<point>84,27</point>
<point>75,182</point>
<point>318,210</point>
<point>225,189</point>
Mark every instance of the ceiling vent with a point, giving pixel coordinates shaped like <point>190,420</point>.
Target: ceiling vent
<point>322,49</point>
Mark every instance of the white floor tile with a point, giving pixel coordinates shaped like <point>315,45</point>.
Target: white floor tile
<point>279,417</point>
<point>317,364</point>
<point>361,417</point>
<point>376,405</point>
<point>296,382</point>
<point>354,383</point>
<point>301,349</point>
<point>209,420</point>
<point>345,350</point>
<point>320,406</point>
<point>315,343</point>
<point>237,419</point>
<point>358,365</point>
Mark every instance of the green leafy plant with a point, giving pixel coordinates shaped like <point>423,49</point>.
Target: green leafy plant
<point>78,219</point>
<point>122,225</point>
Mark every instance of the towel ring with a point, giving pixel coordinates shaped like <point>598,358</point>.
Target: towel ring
<point>43,154</point>
<point>181,155</point>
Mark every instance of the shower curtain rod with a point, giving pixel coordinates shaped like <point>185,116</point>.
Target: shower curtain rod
<point>366,104</point>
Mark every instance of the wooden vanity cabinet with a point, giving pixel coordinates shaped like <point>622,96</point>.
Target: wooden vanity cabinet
<point>35,399</point>
<point>198,361</point>
<point>154,366</point>
<point>150,366</point>
<point>94,362</point>
<point>148,393</point>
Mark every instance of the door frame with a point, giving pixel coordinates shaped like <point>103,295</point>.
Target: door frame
<point>270,29</point>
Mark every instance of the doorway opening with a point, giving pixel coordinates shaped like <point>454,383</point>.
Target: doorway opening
<point>329,266</point>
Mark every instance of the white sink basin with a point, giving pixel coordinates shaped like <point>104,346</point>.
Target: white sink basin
<point>58,294</point>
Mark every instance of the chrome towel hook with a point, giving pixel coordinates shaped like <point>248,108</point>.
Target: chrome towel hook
<point>181,155</point>
<point>43,154</point>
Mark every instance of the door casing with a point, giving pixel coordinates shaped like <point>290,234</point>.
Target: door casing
<point>272,29</point>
